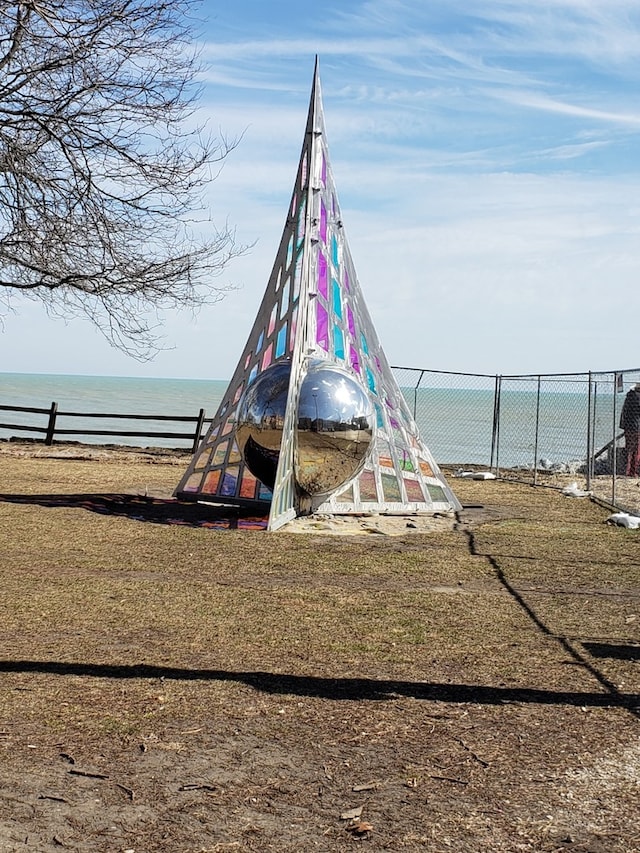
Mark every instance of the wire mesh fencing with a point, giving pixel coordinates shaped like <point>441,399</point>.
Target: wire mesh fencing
<point>552,430</point>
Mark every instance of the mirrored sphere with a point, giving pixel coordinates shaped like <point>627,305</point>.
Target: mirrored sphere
<point>333,432</point>
<point>334,429</point>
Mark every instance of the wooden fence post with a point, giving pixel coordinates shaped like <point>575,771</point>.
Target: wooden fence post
<point>51,426</point>
<point>198,432</point>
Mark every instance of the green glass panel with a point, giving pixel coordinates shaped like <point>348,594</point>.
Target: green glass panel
<point>391,488</point>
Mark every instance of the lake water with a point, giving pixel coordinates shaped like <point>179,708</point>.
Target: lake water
<point>456,423</point>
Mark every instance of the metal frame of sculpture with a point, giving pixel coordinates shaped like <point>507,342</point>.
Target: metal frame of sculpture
<point>313,351</point>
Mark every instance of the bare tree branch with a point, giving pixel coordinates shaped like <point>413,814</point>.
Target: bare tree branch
<point>101,171</point>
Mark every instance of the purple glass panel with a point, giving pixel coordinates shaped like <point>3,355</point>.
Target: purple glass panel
<point>322,326</point>
<point>322,274</point>
<point>347,283</point>
<point>323,222</point>
<point>378,365</point>
<point>351,322</point>
<point>229,481</point>
<point>354,358</point>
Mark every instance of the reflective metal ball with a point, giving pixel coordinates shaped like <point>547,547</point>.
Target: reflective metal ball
<point>333,432</point>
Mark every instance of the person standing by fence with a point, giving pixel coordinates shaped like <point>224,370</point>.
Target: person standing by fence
<point>630,423</point>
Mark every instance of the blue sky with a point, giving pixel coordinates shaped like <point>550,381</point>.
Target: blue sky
<point>487,162</point>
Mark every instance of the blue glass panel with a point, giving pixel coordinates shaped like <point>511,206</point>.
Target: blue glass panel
<point>338,342</point>
<point>260,342</point>
<point>284,300</point>
<point>281,341</point>
<point>337,299</point>
<point>371,382</point>
<point>334,250</point>
<point>365,347</point>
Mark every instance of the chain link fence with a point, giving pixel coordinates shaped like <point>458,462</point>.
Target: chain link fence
<point>551,430</point>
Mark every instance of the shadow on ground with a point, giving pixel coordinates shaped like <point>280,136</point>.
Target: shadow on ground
<point>354,689</point>
<point>155,510</point>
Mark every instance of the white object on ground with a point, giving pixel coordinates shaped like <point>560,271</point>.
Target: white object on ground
<point>623,519</point>
<point>573,491</point>
<point>476,475</point>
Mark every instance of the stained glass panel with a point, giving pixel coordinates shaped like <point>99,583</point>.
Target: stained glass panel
<point>281,341</point>
<point>368,490</point>
<point>322,275</point>
<point>266,358</point>
<point>210,485</point>
<point>322,326</point>
<point>414,491</point>
<point>337,298</point>
<point>354,358</point>
<point>229,481</point>
<point>391,488</point>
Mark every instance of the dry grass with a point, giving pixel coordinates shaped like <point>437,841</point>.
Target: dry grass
<point>232,689</point>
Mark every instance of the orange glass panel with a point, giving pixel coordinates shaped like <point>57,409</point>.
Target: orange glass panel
<point>426,469</point>
<point>248,485</point>
<point>211,483</point>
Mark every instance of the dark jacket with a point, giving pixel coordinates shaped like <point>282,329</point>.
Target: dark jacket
<point>630,415</point>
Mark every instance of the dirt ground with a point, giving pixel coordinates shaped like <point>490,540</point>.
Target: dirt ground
<point>169,688</point>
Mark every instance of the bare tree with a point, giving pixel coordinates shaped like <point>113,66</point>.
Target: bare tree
<point>102,168</point>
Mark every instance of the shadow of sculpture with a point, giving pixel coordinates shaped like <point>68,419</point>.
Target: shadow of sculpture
<point>150,509</point>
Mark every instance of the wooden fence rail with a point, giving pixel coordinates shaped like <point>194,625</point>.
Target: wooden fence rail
<point>51,430</point>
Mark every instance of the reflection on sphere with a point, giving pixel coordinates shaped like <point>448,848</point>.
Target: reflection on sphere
<point>334,426</point>
<point>261,421</point>
<point>334,429</point>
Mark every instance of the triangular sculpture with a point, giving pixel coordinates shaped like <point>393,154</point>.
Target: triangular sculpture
<point>313,316</point>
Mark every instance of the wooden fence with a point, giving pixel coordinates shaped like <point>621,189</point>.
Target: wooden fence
<point>51,430</point>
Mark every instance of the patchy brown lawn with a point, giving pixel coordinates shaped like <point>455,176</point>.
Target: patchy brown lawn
<point>167,687</point>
